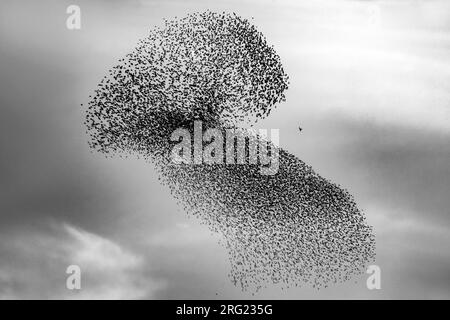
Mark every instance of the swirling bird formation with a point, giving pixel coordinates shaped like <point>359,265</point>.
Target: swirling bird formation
<point>291,228</point>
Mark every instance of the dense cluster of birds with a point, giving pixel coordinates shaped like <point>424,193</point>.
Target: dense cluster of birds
<point>293,227</point>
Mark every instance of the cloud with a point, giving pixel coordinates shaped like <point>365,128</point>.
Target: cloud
<point>33,265</point>
<point>415,261</point>
<point>407,168</point>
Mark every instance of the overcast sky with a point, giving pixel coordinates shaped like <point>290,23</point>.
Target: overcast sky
<point>370,86</point>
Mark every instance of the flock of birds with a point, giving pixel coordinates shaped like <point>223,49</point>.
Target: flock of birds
<point>291,228</point>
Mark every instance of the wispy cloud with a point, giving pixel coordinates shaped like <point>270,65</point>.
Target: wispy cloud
<point>33,265</point>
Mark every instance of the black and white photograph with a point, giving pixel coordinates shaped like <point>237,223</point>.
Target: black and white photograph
<point>225,150</point>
